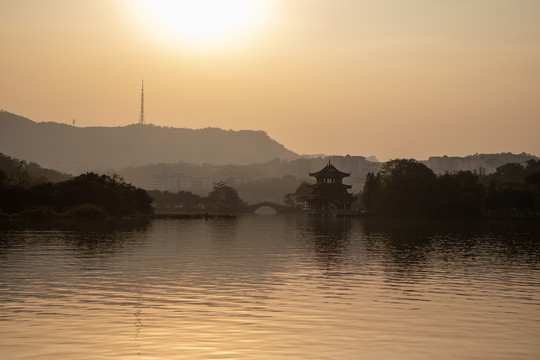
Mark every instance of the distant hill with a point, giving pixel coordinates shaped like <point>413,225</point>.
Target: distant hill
<point>79,149</point>
<point>20,172</point>
<point>255,182</point>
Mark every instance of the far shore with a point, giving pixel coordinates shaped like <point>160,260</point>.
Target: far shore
<point>40,216</point>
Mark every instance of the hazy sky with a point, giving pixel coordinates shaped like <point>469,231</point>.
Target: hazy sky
<point>390,78</point>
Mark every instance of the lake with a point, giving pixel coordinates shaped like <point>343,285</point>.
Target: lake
<point>271,287</point>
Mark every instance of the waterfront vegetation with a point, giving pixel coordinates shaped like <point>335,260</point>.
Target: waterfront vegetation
<point>88,196</point>
<point>408,188</point>
<point>98,197</point>
<point>402,188</point>
<point>222,199</point>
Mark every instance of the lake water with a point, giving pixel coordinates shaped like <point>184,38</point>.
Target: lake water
<point>271,287</point>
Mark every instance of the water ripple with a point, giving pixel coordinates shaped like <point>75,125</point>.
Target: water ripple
<point>281,287</point>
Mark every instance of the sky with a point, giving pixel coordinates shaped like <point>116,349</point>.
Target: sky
<point>389,78</point>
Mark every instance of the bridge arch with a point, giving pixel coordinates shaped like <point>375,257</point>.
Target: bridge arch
<point>265,210</point>
<point>278,208</point>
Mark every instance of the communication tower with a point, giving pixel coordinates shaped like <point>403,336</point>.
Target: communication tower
<point>141,118</point>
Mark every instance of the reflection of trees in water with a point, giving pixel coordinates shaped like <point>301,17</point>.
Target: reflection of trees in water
<point>105,238</point>
<point>87,238</point>
<point>406,244</point>
<point>409,248</point>
<point>223,230</point>
<point>408,251</point>
<point>515,241</point>
<point>330,237</point>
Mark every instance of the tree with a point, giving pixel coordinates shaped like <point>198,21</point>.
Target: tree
<point>533,179</point>
<point>407,188</point>
<point>296,199</point>
<point>224,198</point>
<point>459,194</point>
<point>290,199</point>
<point>533,173</point>
<point>510,173</point>
<point>532,166</point>
<point>108,192</point>
<point>514,190</point>
<point>371,193</point>
<point>188,200</point>
<point>3,179</point>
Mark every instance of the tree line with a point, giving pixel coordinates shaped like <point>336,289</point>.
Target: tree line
<point>87,195</point>
<point>403,187</point>
<point>222,198</point>
<point>92,195</point>
<point>406,187</point>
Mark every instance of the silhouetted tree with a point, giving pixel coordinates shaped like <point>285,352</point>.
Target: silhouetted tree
<point>459,194</point>
<point>371,193</point>
<point>407,188</point>
<point>181,201</point>
<point>533,174</point>
<point>111,193</point>
<point>188,200</point>
<point>514,190</point>
<point>533,179</point>
<point>511,173</point>
<point>224,198</point>
<point>532,166</point>
<point>12,198</point>
<point>296,199</point>
<point>3,178</point>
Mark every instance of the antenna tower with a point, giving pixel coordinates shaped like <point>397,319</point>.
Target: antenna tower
<point>141,118</point>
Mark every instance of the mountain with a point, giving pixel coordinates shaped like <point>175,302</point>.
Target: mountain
<point>79,149</point>
<point>20,172</point>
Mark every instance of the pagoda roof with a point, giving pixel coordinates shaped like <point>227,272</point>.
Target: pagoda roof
<point>329,171</point>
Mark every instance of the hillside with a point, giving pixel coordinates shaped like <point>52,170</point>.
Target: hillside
<point>20,172</point>
<point>79,149</point>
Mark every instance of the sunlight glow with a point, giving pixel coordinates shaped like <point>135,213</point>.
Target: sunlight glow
<point>202,25</point>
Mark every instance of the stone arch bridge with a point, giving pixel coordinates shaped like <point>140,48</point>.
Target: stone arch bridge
<point>278,208</point>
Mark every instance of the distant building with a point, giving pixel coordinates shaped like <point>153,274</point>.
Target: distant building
<point>329,196</point>
<point>482,164</point>
<point>174,182</point>
<point>171,182</point>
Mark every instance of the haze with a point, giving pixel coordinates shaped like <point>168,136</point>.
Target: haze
<point>387,78</point>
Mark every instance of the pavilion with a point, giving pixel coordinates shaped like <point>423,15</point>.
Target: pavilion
<point>329,196</point>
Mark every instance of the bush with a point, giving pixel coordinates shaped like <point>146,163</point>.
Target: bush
<point>37,213</point>
<point>87,212</point>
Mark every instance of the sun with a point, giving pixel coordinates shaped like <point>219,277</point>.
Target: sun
<point>204,25</point>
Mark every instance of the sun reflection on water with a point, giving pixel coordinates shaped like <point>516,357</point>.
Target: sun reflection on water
<point>277,287</point>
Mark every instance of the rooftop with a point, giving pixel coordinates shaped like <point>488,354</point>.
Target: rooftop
<point>329,171</point>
